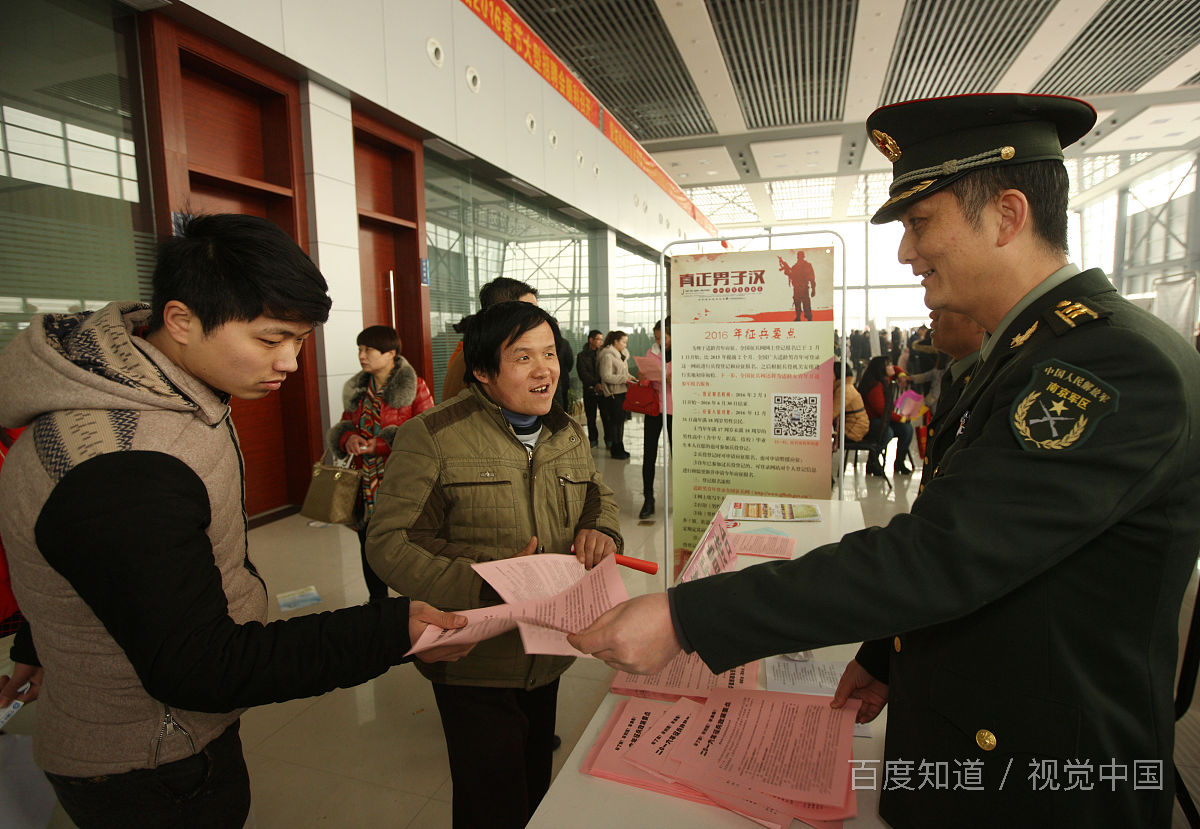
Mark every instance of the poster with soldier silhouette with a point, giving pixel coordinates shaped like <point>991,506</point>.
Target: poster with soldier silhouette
<point>752,348</point>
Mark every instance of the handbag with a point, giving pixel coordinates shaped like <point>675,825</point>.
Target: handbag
<point>333,493</point>
<point>910,404</point>
<point>643,400</point>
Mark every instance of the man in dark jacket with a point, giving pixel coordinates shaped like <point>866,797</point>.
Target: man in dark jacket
<point>589,378</point>
<point>1020,622</point>
<point>123,517</point>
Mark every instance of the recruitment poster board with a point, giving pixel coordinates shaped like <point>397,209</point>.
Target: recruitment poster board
<point>752,354</point>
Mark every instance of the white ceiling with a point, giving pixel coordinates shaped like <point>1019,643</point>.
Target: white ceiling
<point>725,92</point>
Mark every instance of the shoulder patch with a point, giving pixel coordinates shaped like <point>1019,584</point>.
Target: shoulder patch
<point>1060,407</point>
<point>1071,313</point>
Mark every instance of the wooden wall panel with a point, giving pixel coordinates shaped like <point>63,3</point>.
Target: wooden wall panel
<point>224,127</point>
<point>390,188</point>
<point>225,137</point>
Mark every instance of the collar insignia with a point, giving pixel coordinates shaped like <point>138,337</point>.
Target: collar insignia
<point>1021,339</point>
<point>1069,311</point>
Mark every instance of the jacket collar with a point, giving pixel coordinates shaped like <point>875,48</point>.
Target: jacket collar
<point>399,391</point>
<point>553,421</point>
<point>1027,324</point>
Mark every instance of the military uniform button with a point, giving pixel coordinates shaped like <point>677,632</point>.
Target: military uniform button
<point>985,739</point>
<point>896,644</point>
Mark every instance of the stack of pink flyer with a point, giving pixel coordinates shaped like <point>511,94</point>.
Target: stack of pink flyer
<point>767,756</point>
<point>685,676</point>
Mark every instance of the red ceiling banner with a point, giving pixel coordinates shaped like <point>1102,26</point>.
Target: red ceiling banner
<point>502,20</point>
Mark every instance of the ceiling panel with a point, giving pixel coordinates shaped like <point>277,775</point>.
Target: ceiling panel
<point>1125,45</point>
<point>622,52</point>
<point>788,59</point>
<point>700,166</point>
<point>948,47</point>
<point>1159,127</point>
<point>794,157</point>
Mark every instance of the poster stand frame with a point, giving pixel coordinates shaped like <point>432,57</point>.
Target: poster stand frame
<point>668,512</point>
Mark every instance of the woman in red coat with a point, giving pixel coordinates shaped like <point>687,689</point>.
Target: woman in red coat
<point>376,401</point>
<point>878,387</point>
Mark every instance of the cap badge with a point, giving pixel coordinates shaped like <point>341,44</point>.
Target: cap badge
<point>886,144</point>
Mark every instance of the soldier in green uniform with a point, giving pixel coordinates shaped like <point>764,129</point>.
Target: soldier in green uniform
<point>1021,620</point>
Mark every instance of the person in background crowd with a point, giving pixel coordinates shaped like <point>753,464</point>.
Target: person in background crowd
<point>25,665</point>
<point>124,522</point>
<point>500,289</point>
<point>589,379</point>
<point>922,356</point>
<point>879,386</point>
<point>661,350</point>
<point>959,338</point>
<point>612,365</point>
<point>566,359</point>
<point>497,472</point>
<point>857,422</point>
<point>375,402</point>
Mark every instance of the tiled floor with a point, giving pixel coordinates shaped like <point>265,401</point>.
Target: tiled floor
<point>373,755</point>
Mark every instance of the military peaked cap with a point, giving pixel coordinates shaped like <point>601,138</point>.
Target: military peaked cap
<point>936,141</point>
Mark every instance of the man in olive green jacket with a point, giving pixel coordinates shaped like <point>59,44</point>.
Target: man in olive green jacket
<point>495,472</point>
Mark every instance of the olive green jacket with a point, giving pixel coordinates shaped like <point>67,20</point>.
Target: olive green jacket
<point>460,488</point>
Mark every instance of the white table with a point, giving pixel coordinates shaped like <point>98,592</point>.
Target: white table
<point>580,801</point>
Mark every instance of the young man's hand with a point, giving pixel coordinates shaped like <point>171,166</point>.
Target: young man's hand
<point>420,616</point>
<point>21,674</point>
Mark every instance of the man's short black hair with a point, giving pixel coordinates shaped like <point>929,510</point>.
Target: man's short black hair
<point>594,332</point>
<point>503,289</point>
<point>229,267</point>
<point>382,338</point>
<point>1045,185</point>
<point>493,329</point>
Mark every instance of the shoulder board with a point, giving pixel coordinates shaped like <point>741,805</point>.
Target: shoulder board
<point>1071,313</point>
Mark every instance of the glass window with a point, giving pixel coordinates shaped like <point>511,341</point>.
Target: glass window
<point>75,232</point>
<point>476,232</point>
<point>727,204</point>
<point>1098,222</point>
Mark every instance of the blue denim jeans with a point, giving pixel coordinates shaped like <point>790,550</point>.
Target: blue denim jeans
<point>209,790</point>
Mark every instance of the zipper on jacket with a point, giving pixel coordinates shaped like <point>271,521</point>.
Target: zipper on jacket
<point>168,728</point>
<point>237,450</point>
<point>562,488</point>
<point>532,497</point>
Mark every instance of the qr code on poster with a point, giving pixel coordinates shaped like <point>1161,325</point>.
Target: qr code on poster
<point>795,416</point>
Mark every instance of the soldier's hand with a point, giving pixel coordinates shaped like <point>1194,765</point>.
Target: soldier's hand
<point>635,636</point>
<point>529,549</point>
<point>856,682</point>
